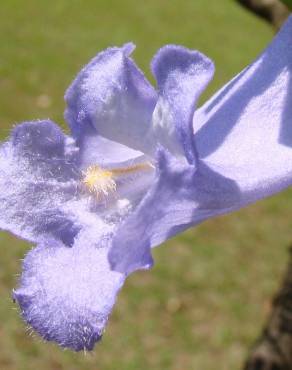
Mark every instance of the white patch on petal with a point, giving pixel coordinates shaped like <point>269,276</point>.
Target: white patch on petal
<point>164,130</point>
<point>123,203</point>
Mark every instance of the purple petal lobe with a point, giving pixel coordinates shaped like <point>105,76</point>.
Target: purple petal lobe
<point>112,96</point>
<point>39,138</point>
<point>181,75</point>
<point>37,178</point>
<point>245,130</point>
<point>67,294</point>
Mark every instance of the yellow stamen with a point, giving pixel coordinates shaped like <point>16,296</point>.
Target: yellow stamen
<point>101,181</point>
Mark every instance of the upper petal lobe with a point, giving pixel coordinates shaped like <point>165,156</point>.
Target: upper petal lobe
<point>182,75</point>
<point>112,96</point>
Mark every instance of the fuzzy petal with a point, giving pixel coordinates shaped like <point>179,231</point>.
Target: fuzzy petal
<point>37,177</point>
<point>67,294</point>
<point>112,95</point>
<point>182,75</point>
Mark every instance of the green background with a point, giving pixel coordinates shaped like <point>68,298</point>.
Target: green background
<point>288,3</point>
<point>206,299</point>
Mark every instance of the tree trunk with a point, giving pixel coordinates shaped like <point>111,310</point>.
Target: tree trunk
<point>273,350</point>
<point>273,11</point>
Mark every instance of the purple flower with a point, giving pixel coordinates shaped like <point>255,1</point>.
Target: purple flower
<point>140,167</point>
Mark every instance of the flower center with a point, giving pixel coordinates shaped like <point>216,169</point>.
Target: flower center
<point>102,181</point>
<point>99,181</point>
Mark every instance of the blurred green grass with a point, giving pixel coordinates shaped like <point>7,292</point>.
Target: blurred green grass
<point>208,294</point>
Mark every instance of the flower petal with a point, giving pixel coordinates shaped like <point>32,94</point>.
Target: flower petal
<point>37,177</point>
<point>181,197</point>
<point>243,137</point>
<point>245,130</point>
<point>67,294</point>
<point>112,95</point>
<point>181,75</point>
<point>95,149</point>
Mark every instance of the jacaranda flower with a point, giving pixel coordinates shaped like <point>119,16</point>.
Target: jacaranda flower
<point>139,167</point>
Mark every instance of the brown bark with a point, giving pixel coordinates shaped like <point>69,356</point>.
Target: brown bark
<point>273,11</point>
<point>273,350</point>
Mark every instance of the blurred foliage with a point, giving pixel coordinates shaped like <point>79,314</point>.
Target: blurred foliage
<point>288,3</point>
<point>208,294</point>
